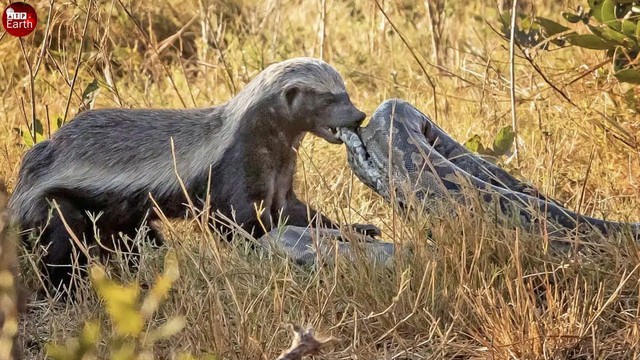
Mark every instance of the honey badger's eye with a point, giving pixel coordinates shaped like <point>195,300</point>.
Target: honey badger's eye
<point>329,99</point>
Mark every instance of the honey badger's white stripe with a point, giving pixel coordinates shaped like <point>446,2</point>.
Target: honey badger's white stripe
<point>129,168</point>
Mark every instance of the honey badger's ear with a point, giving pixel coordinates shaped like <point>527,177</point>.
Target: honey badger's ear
<point>290,94</point>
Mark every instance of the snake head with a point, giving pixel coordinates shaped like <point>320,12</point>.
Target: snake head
<point>398,114</point>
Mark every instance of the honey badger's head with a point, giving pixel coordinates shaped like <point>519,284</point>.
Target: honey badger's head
<point>323,113</point>
<point>309,95</point>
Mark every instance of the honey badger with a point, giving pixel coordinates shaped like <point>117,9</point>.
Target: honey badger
<point>111,161</point>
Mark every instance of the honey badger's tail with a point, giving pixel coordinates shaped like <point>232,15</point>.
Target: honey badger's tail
<point>28,205</point>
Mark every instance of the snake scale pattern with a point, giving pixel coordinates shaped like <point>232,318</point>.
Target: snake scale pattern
<point>408,160</point>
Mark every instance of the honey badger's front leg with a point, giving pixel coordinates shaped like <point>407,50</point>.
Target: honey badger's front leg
<point>298,213</point>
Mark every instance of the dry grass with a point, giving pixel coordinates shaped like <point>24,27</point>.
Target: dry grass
<point>478,292</point>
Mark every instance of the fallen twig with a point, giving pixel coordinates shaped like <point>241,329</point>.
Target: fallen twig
<point>304,343</point>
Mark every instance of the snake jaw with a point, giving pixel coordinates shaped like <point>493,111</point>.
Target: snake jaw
<point>363,164</point>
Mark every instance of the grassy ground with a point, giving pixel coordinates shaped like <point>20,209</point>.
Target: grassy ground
<point>483,292</point>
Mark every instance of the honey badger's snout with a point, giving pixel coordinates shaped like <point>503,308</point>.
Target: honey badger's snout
<point>351,118</point>
<point>359,116</point>
<point>339,114</point>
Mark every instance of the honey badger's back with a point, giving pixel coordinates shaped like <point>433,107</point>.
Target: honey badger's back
<point>301,72</point>
<point>120,153</point>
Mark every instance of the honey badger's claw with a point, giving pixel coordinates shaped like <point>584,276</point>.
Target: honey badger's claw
<point>367,229</point>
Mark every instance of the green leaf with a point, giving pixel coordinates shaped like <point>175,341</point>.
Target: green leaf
<point>638,31</point>
<point>609,35</point>
<point>475,144</point>
<point>571,17</point>
<point>551,27</point>
<point>629,28</point>
<point>503,141</point>
<point>589,41</point>
<point>525,23</point>
<point>39,128</point>
<point>608,12</point>
<point>27,139</point>
<point>631,76</point>
<point>90,89</point>
<point>631,100</point>
<point>27,135</point>
<point>506,25</point>
<point>596,10</point>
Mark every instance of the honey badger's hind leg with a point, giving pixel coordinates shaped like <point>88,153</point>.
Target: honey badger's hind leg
<point>126,237</point>
<point>62,259</point>
<point>119,243</point>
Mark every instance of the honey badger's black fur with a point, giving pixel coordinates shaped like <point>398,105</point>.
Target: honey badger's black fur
<point>109,161</point>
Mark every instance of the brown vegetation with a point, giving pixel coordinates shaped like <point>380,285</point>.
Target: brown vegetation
<point>12,297</point>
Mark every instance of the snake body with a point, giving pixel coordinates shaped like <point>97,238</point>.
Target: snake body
<point>308,246</point>
<point>407,159</point>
